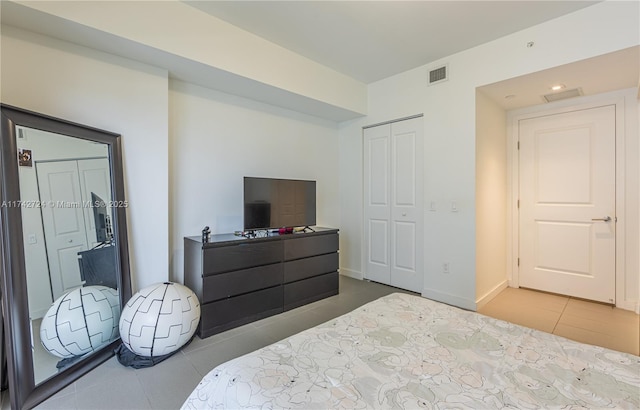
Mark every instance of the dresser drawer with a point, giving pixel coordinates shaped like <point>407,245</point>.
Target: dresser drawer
<point>234,283</point>
<point>240,256</point>
<point>228,313</point>
<point>307,267</point>
<point>309,290</point>
<point>297,247</point>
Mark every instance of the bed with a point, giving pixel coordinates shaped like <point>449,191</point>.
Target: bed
<point>404,351</point>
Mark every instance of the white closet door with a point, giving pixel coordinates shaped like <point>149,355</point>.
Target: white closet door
<point>393,228</point>
<point>68,228</point>
<point>64,224</point>
<point>95,177</point>
<point>406,205</point>
<point>377,203</point>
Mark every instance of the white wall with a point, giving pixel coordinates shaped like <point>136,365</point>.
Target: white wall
<point>628,297</point>
<point>78,84</point>
<point>216,139</point>
<point>120,95</point>
<point>198,48</point>
<point>450,133</point>
<point>491,199</point>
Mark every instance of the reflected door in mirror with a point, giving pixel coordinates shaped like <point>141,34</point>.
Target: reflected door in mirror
<point>70,229</point>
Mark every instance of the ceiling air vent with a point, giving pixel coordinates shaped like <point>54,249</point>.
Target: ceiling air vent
<point>438,75</point>
<point>575,92</point>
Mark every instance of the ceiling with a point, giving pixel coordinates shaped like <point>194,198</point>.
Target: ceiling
<point>372,40</point>
<point>612,71</point>
<point>366,40</point>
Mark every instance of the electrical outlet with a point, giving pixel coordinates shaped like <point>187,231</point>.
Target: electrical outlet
<point>445,267</point>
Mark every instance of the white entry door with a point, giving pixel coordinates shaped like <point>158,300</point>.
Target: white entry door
<point>567,203</point>
<point>393,204</point>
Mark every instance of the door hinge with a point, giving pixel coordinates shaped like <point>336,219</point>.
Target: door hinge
<point>518,204</point>
<point>518,144</point>
<point>518,261</point>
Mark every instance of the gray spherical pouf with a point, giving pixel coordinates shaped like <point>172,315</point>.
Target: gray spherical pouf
<point>159,319</point>
<point>81,321</point>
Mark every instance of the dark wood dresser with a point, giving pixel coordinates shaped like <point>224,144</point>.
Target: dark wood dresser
<point>239,280</point>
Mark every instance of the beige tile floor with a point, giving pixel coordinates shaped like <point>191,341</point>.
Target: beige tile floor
<point>576,319</point>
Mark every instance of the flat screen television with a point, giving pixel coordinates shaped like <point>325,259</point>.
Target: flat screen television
<point>278,203</point>
<point>101,218</point>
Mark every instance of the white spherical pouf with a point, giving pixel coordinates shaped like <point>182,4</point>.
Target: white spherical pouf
<point>159,319</point>
<point>81,321</point>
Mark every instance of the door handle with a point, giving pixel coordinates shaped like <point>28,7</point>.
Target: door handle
<point>605,219</point>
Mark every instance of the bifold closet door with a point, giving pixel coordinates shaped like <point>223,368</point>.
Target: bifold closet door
<point>377,203</point>
<point>70,229</point>
<point>393,226</point>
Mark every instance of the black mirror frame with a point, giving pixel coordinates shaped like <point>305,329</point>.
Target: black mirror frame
<point>15,309</point>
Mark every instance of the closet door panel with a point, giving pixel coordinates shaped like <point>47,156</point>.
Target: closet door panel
<point>377,232</point>
<point>406,205</point>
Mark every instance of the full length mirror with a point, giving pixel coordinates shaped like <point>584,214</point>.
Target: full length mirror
<point>64,248</point>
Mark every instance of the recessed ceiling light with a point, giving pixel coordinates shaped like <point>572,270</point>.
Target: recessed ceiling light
<point>557,87</point>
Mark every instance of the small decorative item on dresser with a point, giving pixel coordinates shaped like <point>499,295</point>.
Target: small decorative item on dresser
<point>206,234</point>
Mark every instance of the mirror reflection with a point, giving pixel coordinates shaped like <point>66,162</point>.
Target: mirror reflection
<point>69,247</point>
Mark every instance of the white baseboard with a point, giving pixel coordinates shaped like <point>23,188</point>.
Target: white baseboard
<point>632,305</point>
<point>491,294</point>
<point>449,299</point>
<point>351,273</point>
<point>38,314</point>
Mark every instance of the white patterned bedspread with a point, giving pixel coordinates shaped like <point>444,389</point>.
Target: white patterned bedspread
<point>404,351</point>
